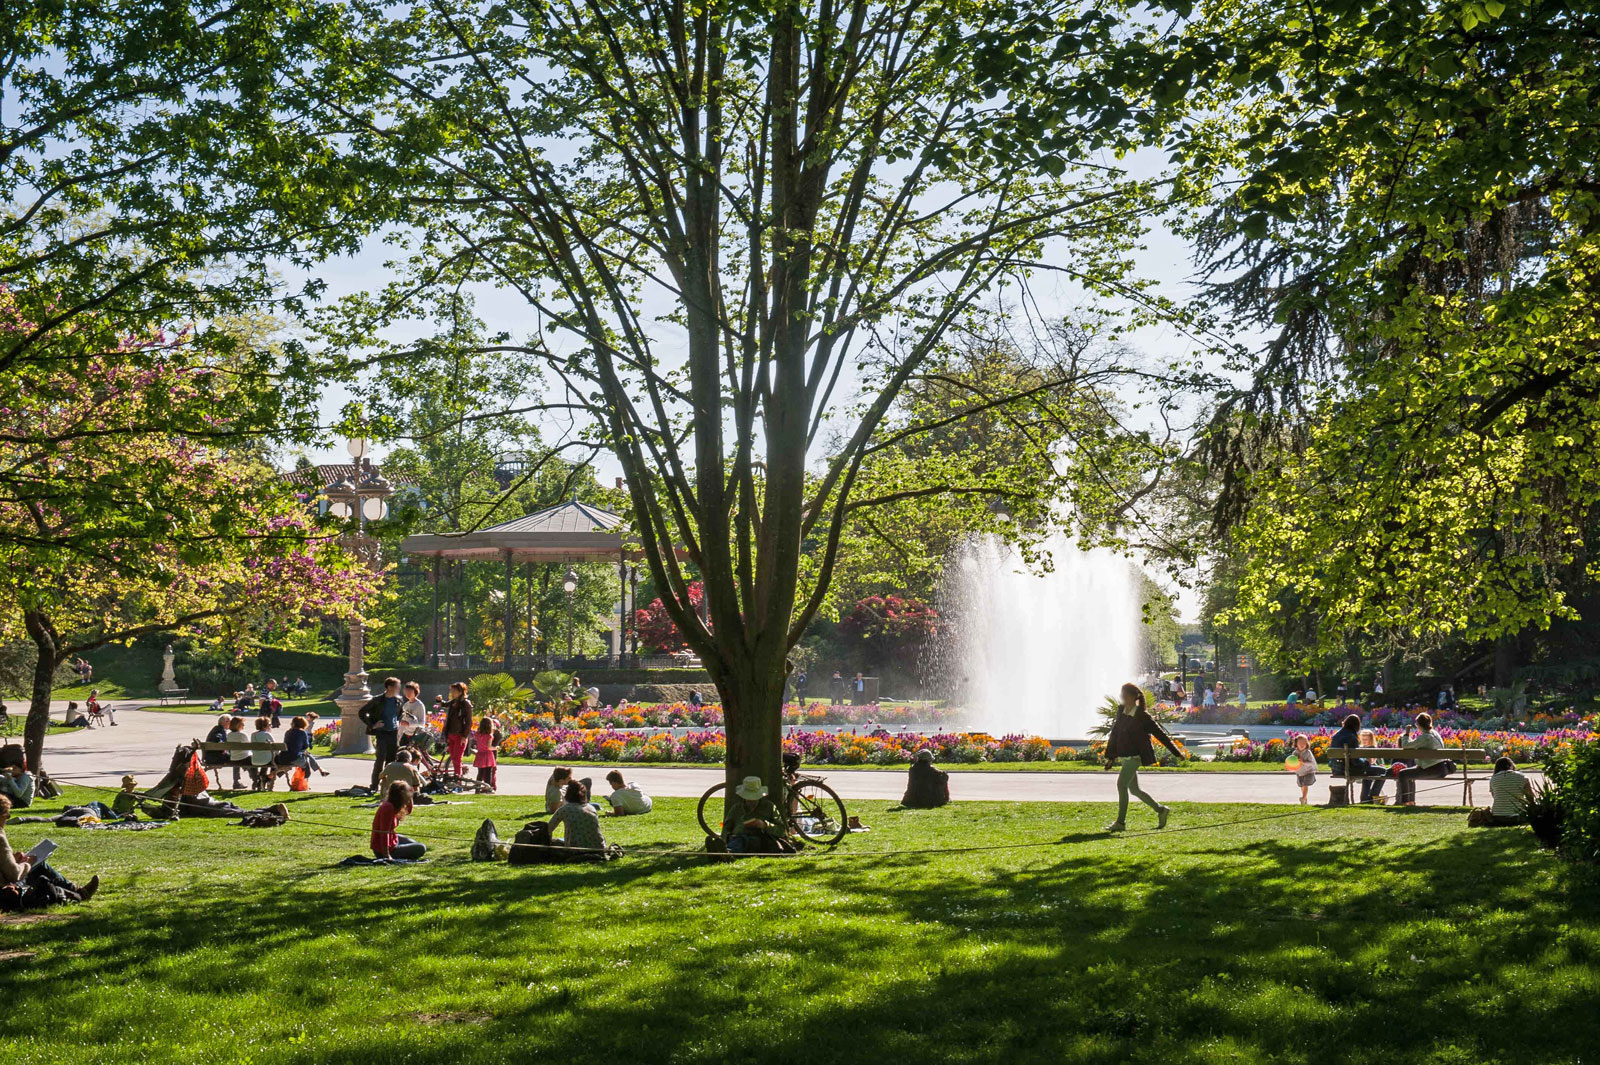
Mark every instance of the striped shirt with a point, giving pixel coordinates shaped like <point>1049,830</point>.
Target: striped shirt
<point>1508,787</point>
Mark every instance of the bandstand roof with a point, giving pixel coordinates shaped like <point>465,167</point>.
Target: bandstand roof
<point>567,532</point>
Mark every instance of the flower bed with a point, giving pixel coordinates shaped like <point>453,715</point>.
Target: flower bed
<point>1379,717</point>
<point>682,715</point>
<point>1520,746</point>
<point>814,748</point>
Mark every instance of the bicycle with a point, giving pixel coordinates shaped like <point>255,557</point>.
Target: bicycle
<point>816,812</point>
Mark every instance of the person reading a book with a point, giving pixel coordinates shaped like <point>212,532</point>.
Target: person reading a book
<point>26,880</point>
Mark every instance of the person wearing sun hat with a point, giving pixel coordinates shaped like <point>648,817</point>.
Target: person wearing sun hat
<point>753,824</point>
<point>127,800</point>
<point>926,787</point>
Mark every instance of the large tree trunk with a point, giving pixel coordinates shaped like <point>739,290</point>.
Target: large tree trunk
<point>48,647</point>
<point>752,706</point>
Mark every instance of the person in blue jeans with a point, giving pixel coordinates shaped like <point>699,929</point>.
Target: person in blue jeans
<point>381,715</point>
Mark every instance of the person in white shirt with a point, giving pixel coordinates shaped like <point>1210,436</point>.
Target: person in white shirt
<point>237,734</point>
<point>1423,739</point>
<point>1511,794</point>
<point>261,760</point>
<point>626,798</point>
<point>413,713</point>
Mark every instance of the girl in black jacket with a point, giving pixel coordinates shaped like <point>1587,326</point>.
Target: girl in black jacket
<point>1128,747</point>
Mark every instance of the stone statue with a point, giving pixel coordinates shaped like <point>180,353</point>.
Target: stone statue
<point>168,680</point>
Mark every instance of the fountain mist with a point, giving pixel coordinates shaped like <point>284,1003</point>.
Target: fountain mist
<point>1037,653</point>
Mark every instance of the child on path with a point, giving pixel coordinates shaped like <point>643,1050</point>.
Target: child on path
<point>1305,773</point>
<point>486,740</point>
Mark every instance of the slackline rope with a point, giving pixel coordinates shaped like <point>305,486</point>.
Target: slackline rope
<point>829,853</point>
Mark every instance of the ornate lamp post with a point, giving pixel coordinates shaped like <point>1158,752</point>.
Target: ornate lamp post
<point>365,500</point>
<point>569,585</point>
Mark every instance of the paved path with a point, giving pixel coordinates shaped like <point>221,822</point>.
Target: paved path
<point>143,741</point>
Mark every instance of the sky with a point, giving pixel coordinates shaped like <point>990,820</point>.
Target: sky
<point>1165,258</point>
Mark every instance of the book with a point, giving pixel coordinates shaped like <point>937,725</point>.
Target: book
<point>42,851</point>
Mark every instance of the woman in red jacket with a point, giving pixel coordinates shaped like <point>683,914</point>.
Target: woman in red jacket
<point>1128,747</point>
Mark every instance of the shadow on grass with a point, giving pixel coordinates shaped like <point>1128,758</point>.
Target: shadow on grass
<point>1330,947</point>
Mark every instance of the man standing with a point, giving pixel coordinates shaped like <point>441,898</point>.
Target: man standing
<point>381,715</point>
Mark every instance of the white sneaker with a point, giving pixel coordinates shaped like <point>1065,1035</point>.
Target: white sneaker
<point>1116,826</point>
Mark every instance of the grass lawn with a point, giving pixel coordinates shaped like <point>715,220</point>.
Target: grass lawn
<point>324,708</point>
<point>1239,934</point>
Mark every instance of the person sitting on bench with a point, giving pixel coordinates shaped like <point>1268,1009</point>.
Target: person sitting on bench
<point>27,884</point>
<point>218,734</point>
<point>1423,739</point>
<point>386,842</point>
<point>926,787</point>
<point>1372,777</point>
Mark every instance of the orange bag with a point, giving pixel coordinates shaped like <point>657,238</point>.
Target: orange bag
<point>195,780</point>
<point>299,780</point>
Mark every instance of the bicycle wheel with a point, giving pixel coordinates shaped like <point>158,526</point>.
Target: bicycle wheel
<point>705,800</point>
<point>819,815</point>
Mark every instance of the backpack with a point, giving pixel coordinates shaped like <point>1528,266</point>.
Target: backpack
<point>483,843</point>
<point>532,845</point>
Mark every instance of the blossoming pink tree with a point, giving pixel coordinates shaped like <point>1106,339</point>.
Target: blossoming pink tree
<point>125,514</point>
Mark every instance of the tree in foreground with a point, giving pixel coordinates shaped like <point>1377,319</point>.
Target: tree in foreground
<point>110,531</point>
<point>746,228</point>
<point>1413,226</point>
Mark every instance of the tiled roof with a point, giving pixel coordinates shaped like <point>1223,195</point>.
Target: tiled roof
<point>327,473</point>
<point>569,517</point>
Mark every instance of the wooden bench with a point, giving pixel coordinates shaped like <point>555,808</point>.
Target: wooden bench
<point>1339,793</point>
<point>235,745</point>
<point>176,694</point>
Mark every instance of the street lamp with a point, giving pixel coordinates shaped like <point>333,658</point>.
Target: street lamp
<point>569,584</point>
<point>366,499</point>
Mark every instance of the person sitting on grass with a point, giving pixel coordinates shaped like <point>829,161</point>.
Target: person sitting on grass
<point>386,842</point>
<point>752,824</point>
<point>18,785</point>
<point>1511,794</point>
<point>75,718</point>
<point>26,884</point>
<point>556,787</point>
<point>400,769</point>
<point>581,821</point>
<point>625,798</point>
<point>127,801</point>
<point>926,787</point>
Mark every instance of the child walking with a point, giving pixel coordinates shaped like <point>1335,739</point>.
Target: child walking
<point>483,760</point>
<point>1305,774</point>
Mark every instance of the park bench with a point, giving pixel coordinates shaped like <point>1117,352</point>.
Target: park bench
<point>1340,757</point>
<point>174,694</point>
<point>230,747</point>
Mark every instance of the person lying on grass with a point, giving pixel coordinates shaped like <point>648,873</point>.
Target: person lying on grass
<point>26,884</point>
<point>386,841</point>
<point>626,798</point>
